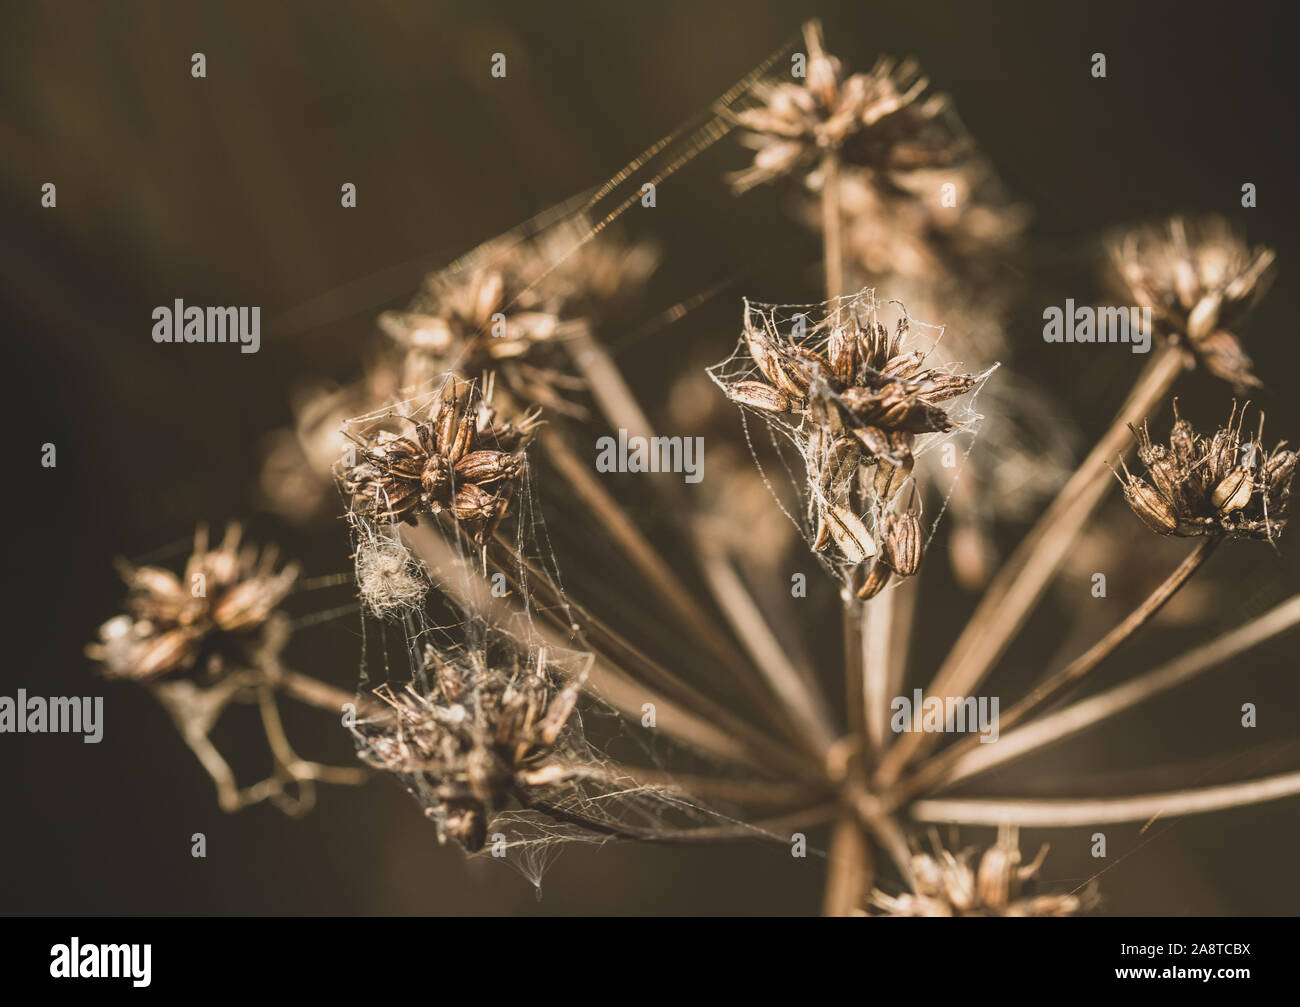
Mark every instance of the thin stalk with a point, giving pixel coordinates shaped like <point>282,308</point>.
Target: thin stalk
<point>886,643</point>
<point>848,868</point>
<point>628,537</point>
<point>832,241</point>
<point>622,411</point>
<point>1046,814</point>
<point>1017,587</point>
<point>503,556</point>
<point>607,679</point>
<point>799,698</point>
<point>772,828</point>
<point>833,263</point>
<point>316,693</point>
<point>851,866</point>
<point>1084,714</point>
<point>1071,674</point>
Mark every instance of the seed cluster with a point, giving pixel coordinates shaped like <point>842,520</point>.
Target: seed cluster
<point>1219,485</point>
<point>1200,279</point>
<point>947,885</point>
<point>480,733</point>
<point>861,402</point>
<point>883,119</point>
<point>461,459</point>
<point>226,596</point>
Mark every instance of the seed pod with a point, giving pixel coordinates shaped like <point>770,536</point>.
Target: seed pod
<point>850,534</point>
<point>760,396</point>
<point>890,478</point>
<point>997,875</point>
<point>843,356</point>
<point>1278,472</point>
<point>418,332</point>
<point>173,649</point>
<point>401,457</point>
<point>873,439</point>
<point>790,376</point>
<point>446,421</point>
<point>473,504</point>
<point>904,365</point>
<point>902,545</point>
<point>1150,506</point>
<point>942,387</point>
<point>875,582</point>
<point>1223,357</point>
<point>1234,492</point>
<point>160,587</point>
<point>486,466</point>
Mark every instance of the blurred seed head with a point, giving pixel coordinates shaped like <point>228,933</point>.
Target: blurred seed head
<point>221,610</point>
<point>1200,279</point>
<point>1001,885</point>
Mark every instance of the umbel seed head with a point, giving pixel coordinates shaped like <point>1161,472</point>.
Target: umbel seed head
<point>1219,485</point>
<point>1199,279</point>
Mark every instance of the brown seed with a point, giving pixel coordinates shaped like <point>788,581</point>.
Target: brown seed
<point>850,534</point>
<point>902,546</point>
<point>485,466</point>
<point>1233,493</point>
<point>875,582</point>
<point>1150,506</point>
<point>760,396</point>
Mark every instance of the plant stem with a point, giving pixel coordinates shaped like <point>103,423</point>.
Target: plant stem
<point>848,868</point>
<point>621,410</point>
<point>1018,586</point>
<point>643,555</point>
<point>1070,675</point>
<point>1085,713</point>
<point>314,692</point>
<point>832,242</point>
<point>1085,812</point>
<point>885,647</point>
<point>607,679</point>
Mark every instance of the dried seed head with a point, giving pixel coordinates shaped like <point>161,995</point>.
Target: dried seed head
<point>1219,485</point>
<point>488,727</point>
<point>507,307</point>
<point>946,885</point>
<point>883,120</point>
<point>1199,279</point>
<point>219,611</point>
<point>460,458</point>
<point>860,400</point>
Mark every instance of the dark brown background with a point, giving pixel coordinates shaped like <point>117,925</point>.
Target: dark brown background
<point>225,191</point>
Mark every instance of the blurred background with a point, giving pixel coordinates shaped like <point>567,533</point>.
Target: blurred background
<point>226,191</point>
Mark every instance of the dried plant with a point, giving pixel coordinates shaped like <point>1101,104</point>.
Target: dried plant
<point>506,697</point>
<point>1199,279</point>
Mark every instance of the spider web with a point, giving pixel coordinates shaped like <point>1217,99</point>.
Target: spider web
<point>784,441</point>
<point>498,614</point>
